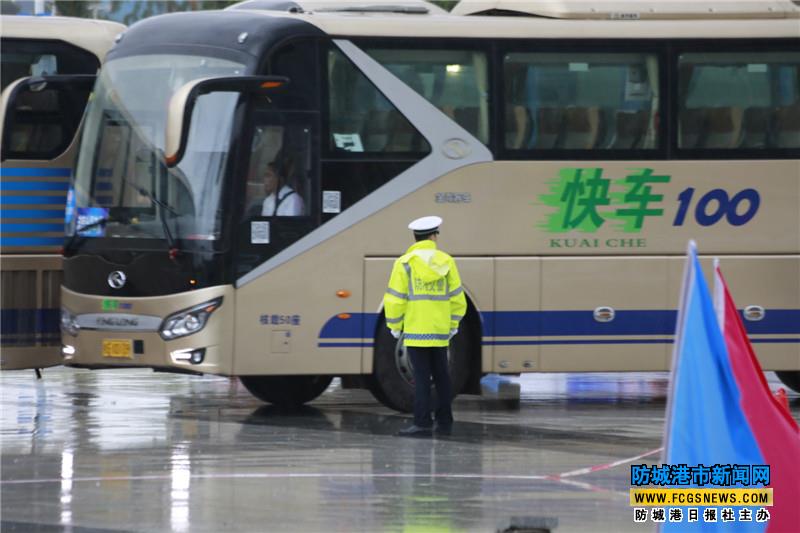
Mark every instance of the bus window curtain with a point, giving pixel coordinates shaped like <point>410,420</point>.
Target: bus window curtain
<point>481,67</point>
<point>652,76</point>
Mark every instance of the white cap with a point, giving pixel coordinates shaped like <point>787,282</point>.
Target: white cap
<point>425,225</point>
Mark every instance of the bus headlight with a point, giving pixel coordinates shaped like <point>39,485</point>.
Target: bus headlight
<point>189,320</point>
<point>69,322</point>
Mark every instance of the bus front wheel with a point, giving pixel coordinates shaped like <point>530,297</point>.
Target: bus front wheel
<point>286,391</point>
<point>392,380</point>
<point>790,378</point>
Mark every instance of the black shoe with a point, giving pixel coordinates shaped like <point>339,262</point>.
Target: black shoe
<point>443,429</point>
<point>415,431</point>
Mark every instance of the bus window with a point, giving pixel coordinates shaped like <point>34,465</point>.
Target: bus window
<point>43,123</point>
<point>281,185</point>
<point>739,100</point>
<point>277,183</point>
<point>361,118</point>
<point>455,81</point>
<point>580,101</point>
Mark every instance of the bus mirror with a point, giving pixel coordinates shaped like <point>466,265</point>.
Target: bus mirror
<point>182,103</point>
<point>38,97</point>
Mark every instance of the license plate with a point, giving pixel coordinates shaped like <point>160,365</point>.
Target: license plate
<point>118,348</point>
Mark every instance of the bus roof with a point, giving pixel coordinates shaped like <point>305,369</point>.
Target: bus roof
<point>410,7</point>
<point>95,36</point>
<point>492,27</point>
<point>633,9</point>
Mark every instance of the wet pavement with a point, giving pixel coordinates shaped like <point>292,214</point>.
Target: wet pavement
<point>131,450</point>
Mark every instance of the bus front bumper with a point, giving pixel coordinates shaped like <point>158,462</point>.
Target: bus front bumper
<point>127,332</point>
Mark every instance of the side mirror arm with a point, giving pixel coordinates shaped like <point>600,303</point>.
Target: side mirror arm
<point>181,106</point>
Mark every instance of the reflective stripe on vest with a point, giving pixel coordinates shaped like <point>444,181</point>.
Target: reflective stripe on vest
<point>426,337</point>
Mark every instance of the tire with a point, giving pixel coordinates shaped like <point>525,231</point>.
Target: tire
<point>790,378</point>
<point>392,381</point>
<point>286,391</point>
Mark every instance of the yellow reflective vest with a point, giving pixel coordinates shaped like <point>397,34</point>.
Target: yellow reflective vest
<point>425,298</point>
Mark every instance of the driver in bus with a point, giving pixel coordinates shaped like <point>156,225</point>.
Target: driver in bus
<point>281,199</point>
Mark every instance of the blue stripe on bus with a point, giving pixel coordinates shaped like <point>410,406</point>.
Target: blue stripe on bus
<point>570,323</point>
<point>104,200</point>
<point>24,327</point>
<point>358,326</point>
<point>103,186</point>
<point>34,186</point>
<point>345,345</point>
<point>35,172</point>
<point>577,341</point>
<point>32,213</point>
<point>31,241</point>
<point>22,200</point>
<point>622,341</point>
<point>564,323</point>
<point>29,322</point>
<point>30,228</point>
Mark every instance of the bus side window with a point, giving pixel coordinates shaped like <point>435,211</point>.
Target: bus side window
<point>43,123</point>
<point>453,80</point>
<point>580,101</point>
<point>361,119</point>
<point>739,100</point>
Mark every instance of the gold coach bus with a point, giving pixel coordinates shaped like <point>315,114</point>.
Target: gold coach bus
<point>246,176</point>
<point>48,68</point>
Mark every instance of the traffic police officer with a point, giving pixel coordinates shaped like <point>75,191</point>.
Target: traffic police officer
<point>425,302</point>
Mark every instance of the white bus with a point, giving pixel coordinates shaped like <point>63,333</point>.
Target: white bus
<point>48,68</point>
<point>571,159</point>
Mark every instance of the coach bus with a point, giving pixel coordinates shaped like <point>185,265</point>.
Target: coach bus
<point>246,176</point>
<point>48,68</point>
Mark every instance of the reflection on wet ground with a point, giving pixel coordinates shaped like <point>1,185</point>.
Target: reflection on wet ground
<point>130,450</point>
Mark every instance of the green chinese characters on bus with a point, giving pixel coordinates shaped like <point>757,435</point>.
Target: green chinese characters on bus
<point>584,200</point>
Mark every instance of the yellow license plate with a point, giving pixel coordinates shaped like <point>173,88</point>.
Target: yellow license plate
<point>118,348</point>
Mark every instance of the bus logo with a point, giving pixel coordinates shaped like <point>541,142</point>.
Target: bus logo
<point>117,279</point>
<point>456,149</point>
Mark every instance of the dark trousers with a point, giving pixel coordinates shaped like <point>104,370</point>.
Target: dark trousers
<point>429,362</point>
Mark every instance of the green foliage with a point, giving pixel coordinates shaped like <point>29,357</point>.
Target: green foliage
<point>130,11</point>
<point>445,4</point>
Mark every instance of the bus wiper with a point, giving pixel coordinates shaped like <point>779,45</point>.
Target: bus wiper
<point>164,207</point>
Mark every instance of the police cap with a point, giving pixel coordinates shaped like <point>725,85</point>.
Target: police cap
<point>425,225</point>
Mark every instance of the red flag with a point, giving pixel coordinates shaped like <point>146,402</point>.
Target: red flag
<point>775,430</point>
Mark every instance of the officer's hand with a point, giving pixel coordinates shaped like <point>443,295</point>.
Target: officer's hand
<point>396,333</point>
<point>453,332</point>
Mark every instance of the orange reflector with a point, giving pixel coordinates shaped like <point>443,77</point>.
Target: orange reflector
<point>271,84</point>
<point>343,316</point>
<point>343,294</point>
<point>172,159</point>
<point>192,282</point>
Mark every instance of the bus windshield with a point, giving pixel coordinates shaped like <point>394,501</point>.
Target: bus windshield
<point>123,189</point>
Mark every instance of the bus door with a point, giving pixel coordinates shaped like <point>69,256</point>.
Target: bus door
<point>281,201</point>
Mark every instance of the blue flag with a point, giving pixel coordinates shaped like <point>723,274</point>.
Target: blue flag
<point>705,424</point>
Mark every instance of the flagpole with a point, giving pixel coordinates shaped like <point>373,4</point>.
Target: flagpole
<point>688,282</point>
<point>719,297</point>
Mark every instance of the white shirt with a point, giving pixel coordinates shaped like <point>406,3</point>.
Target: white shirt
<point>289,204</point>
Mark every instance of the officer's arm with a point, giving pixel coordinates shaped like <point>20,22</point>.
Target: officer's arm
<point>458,302</point>
<point>396,297</point>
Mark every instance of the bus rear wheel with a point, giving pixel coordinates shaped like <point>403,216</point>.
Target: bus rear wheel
<point>392,380</point>
<point>790,378</point>
<point>286,391</point>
